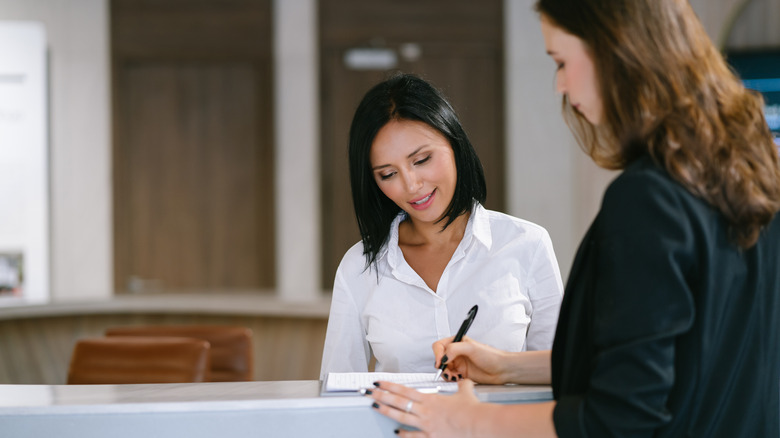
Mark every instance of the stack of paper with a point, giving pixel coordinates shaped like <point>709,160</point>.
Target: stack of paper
<point>353,382</point>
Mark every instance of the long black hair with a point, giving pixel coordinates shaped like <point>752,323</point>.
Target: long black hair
<point>405,97</point>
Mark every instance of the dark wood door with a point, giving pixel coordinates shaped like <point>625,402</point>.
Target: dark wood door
<point>193,162</point>
<point>456,45</point>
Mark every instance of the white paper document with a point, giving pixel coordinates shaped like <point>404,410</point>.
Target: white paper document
<point>354,382</point>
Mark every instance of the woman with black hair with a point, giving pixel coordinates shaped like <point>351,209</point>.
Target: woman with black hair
<point>429,250</point>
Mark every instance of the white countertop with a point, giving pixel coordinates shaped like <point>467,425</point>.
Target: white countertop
<point>206,397</point>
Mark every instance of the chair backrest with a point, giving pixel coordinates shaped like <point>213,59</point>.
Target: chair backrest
<point>231,346</point>
<point>139,360</point>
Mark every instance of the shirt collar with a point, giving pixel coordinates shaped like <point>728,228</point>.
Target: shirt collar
<point>480,224</point>
<point>478,227</point>
<point>392,241</point>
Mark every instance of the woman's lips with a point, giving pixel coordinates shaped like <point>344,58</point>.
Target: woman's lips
<point>424,202</point>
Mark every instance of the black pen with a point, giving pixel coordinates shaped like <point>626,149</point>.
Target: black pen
<point>461,332</point>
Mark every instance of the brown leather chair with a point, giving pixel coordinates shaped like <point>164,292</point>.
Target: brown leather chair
<point>231,346</point>
<point>139,360</point>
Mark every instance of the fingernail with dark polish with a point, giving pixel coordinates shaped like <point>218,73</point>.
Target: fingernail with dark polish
<point>446,376</point>
<point>375,405</point>
<point>453,378</point>
<point>368,392</point>
<point>376,384</point>
<point>396,431</point>
<point>460,376</point>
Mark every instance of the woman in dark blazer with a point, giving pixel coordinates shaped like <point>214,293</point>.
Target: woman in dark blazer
<point>670,323</point>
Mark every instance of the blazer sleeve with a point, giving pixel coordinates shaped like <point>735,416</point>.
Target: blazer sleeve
<point>545,293</point>
<point>641,302</point>
<point>346,348</point>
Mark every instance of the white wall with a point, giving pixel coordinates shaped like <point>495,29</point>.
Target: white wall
<point>549,180</point>
<point>24,169</point>
<point>297,149</point>
<point>80,143</point>
<point>545,166</point>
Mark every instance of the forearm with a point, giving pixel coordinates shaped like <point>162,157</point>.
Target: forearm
<point>527,420</point>
<point>527,367</point>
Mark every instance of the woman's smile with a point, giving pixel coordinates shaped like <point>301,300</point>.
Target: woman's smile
<point>425,202</point>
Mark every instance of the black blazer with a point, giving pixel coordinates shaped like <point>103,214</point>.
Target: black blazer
<point>666,327</point>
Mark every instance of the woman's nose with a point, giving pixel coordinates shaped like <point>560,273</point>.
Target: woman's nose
<point>560,85</point>
<point>412,181</point>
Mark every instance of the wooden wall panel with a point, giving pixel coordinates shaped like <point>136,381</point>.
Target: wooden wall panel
<point>191,28</point>
<point>451,21</point>
<point>193,145</point>
<point>193,191</point>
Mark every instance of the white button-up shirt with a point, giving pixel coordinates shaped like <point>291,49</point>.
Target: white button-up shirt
<point>504,264</point>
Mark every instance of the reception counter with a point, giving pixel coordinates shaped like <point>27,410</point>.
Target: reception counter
<point>241,409</point>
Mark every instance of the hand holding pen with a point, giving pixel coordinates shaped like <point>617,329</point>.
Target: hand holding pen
<point>458,337</point>
<point>470,359</point>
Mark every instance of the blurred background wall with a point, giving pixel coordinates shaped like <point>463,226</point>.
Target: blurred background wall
<point>200,145</point>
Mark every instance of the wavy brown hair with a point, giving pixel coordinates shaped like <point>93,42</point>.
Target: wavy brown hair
<point>667,91</point>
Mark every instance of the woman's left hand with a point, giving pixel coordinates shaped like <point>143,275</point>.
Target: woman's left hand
<point>435,415</point>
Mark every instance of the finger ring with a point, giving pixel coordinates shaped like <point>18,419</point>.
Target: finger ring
<point>409,406</point>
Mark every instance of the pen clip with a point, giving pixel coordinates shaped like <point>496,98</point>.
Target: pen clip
<point>471,316</point>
